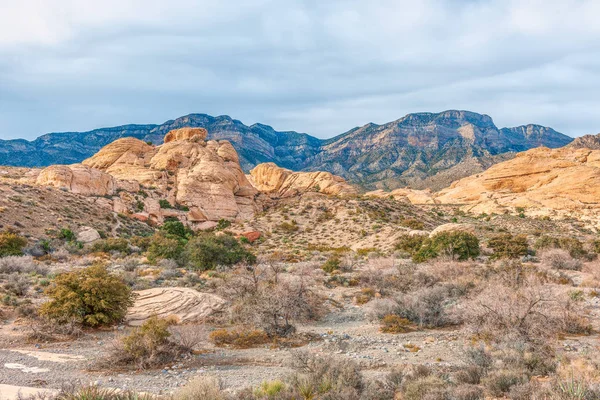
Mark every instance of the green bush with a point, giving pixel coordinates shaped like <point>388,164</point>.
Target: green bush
<point>223,224</point>
<point>332,264</point>
<point>149,344</point>
<point>111,244</point>
<point>164,203</point>
<point>572,245</point>
<point>91,297</point>
<point>410,244</point>
<point>176,228</point>
<point>66,234</point>
<point>11,244</point>
<point>208,250</point>
<point>164,247</point>
<point>457,244</point>
<point>508,246</point>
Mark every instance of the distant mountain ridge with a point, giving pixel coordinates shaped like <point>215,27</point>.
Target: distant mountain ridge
<point>419,150</point>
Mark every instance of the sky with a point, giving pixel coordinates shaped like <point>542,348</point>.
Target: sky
<point>320,67</point>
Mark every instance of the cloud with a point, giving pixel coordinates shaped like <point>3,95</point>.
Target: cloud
<point>306,65</point>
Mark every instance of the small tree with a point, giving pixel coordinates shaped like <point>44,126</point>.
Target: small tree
<point>164,247</point>
<point>209,250</point>
<point>459,245</point>
<point>92,297</point>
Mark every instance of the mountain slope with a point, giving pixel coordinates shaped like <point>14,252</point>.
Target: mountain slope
<point>427,150</point>
<point>419,150</point>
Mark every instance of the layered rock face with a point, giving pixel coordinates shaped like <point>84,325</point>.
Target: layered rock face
<point>203,178</point>
<point>270,178</point>
<point>542,181</point>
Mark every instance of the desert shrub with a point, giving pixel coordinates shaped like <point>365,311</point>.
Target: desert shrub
<point>330,378</point>
<point>17,284</point>
<point>391,323</point>
<point>163,203</point>
<point>561,260</point>
<point>428,307</point>
<point>209,250</point>
<point>508,246</point>
<point>467,392</point>
<point>573,246</point>
<point>271,304</point>
<point>332,264</point>
<point>458,244</point>
<point>412,223</point>
<point>241,339</point>
<point>21,264</point>
<point>176,228</point>
<point>11,244</point>
<point>288,227</point>
<point>91,392</point>
<point>529,311</point>
<point>111,244</point>
<point>149,345</point>
<point>163,247</point>
<point>430,387</point>
<point>201,388</point>
<point>499,382</point>
<point>66,234</point>
<point>91,297</point>
<point>410,244</point>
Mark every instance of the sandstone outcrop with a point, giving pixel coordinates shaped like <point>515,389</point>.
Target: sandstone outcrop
<point>79,179</point>
<point>183,304</point>
<point>202,181</point>
<point>197,134</point>
<point>414,196</point>
<point>541,181</point>
<point>270,178</point>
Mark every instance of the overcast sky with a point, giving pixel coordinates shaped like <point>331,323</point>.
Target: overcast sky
<point>320,67</point>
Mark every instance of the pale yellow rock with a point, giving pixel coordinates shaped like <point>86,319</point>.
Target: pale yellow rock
<point>270,178</point>
<point>453,228</point>
<point>414,196</point>
<point>184,304</point>
<point>541,181</point>
<point>78,178</point>
<point>204,176</point>
<point>199,134</point>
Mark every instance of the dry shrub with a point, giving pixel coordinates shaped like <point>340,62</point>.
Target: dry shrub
<point>201,388</point>
<point>560,259</point>
<point>331,378</point>
<point>500,382</point>
<point>271,302</point>
<point>188,336</point>
<point>387,277</point>
<point>147,346</point>
<point>395,324</point>
<point>376,309</point>
<point>21,264</point>
<point>430,307</point>
<point>240,339</point>
<point>531,311</point>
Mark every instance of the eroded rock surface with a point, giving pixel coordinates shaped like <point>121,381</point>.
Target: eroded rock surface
<point>184,304</point>
<point>270,178</point>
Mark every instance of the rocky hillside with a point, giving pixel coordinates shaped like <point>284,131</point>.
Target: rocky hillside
<point>419,150</point>
<point>586,142</point>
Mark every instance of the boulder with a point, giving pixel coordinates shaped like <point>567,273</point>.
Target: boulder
<point>88,235</point>
<point>184,304</point>
<point>453,228</point>
<point>252,236</point>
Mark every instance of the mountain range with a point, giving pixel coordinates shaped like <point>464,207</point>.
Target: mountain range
<point>421,150</point>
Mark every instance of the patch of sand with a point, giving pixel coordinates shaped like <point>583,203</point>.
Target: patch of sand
<point>53,357</point>
<point>10,392</point>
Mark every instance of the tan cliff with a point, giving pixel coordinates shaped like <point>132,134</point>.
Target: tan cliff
<point>271,179</point>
